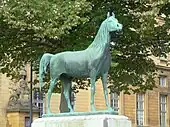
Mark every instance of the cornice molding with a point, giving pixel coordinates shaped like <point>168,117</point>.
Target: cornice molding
<point>167,68</point>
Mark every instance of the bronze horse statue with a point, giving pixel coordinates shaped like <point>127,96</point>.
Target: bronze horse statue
<point>88,63</point>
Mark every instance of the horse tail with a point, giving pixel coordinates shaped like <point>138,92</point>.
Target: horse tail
<point>43,67</point>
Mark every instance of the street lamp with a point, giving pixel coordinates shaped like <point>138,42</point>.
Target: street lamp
<point>31,119</point>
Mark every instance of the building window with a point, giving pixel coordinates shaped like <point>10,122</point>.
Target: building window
<point>115,101</point>
<point>140,109</point>
<point>38,101</point>
<point>162,80</point>
<point>27,122</point>
<point>163,110</point>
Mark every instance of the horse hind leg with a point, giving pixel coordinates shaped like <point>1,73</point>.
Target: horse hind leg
<point>67,88</point>
<point>50,90</point>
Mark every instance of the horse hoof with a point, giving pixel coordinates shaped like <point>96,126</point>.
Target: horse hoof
<point>110,109</point>
<point>93,109</point>
<point>49,112</point>
<point>71,111</point>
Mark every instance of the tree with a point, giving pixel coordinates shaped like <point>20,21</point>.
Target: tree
<point>141,39</point>
<point>31,28</point>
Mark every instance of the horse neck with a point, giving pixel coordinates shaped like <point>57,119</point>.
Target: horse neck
<point>102,37</point>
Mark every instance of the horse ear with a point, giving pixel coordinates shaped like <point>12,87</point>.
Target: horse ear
<point>108,14</point>
<point>113,14</point>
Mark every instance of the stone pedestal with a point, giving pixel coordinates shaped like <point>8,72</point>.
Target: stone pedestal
<point>103,120</point>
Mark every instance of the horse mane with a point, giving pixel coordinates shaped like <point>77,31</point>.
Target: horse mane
<point>101,39</point>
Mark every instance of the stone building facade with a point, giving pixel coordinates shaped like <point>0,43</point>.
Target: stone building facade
<point>4,96</point>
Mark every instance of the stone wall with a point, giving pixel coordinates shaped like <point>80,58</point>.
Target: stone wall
<point>17,119</point>
<point>4,96</point>
<point>153,109</point>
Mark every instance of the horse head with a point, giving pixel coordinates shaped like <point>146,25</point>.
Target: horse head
<point>112,23</point>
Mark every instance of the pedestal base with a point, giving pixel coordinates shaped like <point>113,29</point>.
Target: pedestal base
<point>83,121</point>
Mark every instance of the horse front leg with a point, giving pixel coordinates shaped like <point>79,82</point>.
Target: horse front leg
<point>105,90</point>
<point>93,87</point>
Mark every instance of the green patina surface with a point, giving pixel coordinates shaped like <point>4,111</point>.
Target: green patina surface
<point>89,63</point>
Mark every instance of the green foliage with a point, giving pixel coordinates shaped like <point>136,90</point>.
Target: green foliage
<point>46,18</point>
<point>31,28</point>
<point>132,68</point>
